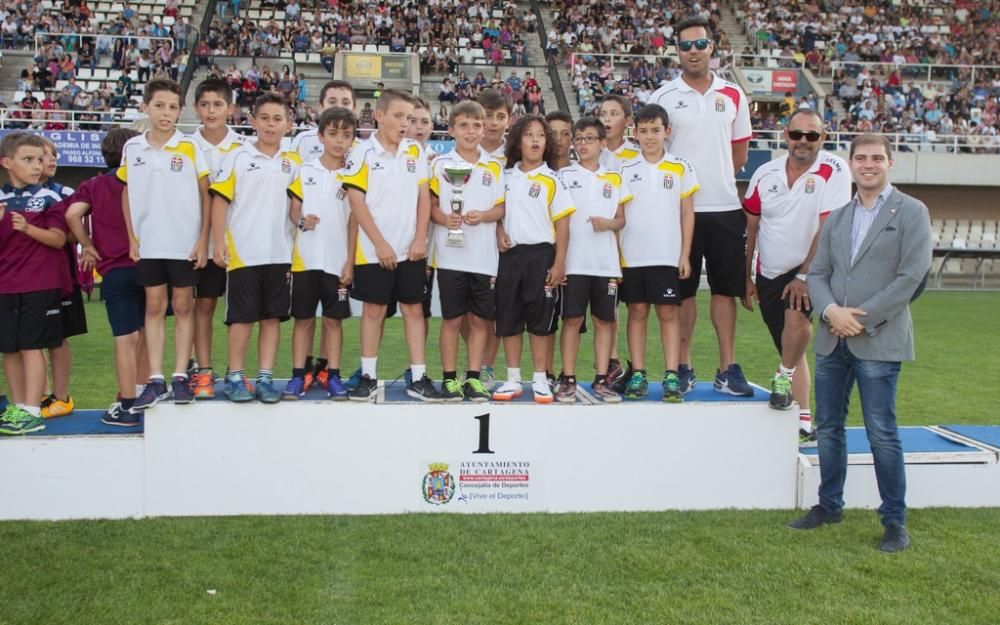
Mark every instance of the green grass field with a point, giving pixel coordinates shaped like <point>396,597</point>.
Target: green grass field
<point>728,567</point>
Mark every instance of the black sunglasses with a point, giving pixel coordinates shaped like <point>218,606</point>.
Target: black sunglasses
<point>812,136</point>
<point>701,44</point>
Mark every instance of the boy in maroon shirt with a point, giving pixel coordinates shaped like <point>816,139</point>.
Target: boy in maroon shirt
<point>106,248</point>
<point>33,276</point>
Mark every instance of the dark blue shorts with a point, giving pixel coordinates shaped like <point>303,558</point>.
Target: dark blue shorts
<point>125,300</point>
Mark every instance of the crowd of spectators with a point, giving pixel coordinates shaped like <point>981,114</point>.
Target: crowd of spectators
<point>524,91</point>
<point>261,78</point>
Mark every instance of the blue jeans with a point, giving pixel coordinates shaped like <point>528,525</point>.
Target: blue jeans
<point>835,377</point>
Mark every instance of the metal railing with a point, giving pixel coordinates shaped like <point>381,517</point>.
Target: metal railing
<point>901,141</point>
<point>909,71</point>
<point>46,37</point>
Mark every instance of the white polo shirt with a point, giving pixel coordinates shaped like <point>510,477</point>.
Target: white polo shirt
<point>324,248</point>
<point>595,194</point>
<point>308,145</point>
<point>391,184</point>
<point>704,128</point>
<point>614,160</point>
<point>652,233</point>
<point>163,195</point>
<point>482,191</point>
<point>258,231</point>
<point>499,153</point>
<point>536,200</point>
<point>215,153</point>
<point>789,217</point>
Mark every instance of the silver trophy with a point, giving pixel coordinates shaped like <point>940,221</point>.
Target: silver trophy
<point>458,175</point>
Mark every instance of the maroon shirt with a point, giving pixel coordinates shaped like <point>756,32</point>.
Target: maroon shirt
<point>27,266</point>
<point>107,223</point>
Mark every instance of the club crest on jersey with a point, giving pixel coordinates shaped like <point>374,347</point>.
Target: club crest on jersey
<point>607,190</point>
<point>286,166</point>
<point>668,181</point>
<point>341,194</point>
<point>309,182</point>
<point>810,185</point>
<point>176,163</point>
<point>34,205</point>
<point>487,179</point>
<point>720,104</point>
<point>535,190</point>
<point>411,165</point>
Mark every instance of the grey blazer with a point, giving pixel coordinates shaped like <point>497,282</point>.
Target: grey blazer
<point>893,259</point>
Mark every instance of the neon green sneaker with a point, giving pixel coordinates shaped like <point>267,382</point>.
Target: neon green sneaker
<point>475,391</point>
<point>451,390</point>
<point>638,385</point>
<point>781,392</point>
<point>16,420</point>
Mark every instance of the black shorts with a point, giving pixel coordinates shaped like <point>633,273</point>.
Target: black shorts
<point>393,307</point>
<point>772,307</point>
<point>721,239</point>
<point>407,283</point>
<point>522,299</point>
<point>658,285</point>
<point>461,292</point>
<point>160,271</point>
<point>311,288</point>
<point>259,292</point>
<point>74,317</point>
<point>211,281</point>
<point>124,300</point>
<point>599,293</point>
<point>30,321</point>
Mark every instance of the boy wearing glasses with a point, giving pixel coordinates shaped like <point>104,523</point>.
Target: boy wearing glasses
<point>786,203</point>
<point>710,120</point>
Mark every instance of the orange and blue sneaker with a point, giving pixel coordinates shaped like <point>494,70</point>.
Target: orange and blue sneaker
<point>238,388</point>
<point>52,406</point>
<point>204,384</point>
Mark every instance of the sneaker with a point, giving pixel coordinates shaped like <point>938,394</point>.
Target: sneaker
<point>638,386</point>
<point>365,390</point>
<point>180,388</point>
<point>807,439</point>
<point>475,391</point>
<point>265,391</point>
<point>672,388</point>
<point>353,381</point>
<point>423,389</point>
<point>619,384</point>
<point>616,372</point>
<point>604,392</point>
<point>116,415</point>
<point>895,538</point>
<point>816,517</point>
<point>508,390</point>
<point>487,377</point>
<point>451,390</point>
<point>16,420</point>
<point>154,391</point>
<point>295,389</point>
<point>686,375</point>
<point>204,384</point>
<point>52,406</point>
<point>192,370</point>
<point>566,390</point>
<point>335,388</point>
<point>238,390</point>
<point>322,378</point>
<point>542,392</point>
<point>781,392</point>
<point>732,382</point>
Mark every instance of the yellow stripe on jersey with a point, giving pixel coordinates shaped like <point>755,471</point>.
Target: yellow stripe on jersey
<point>235,262</point>
<point>615,179</point>
<point>122,173</point>
<point>225,189</point>
<point>186,148</point>
<point>626,154</point>
<point>690,191</point>
<point>292,156</point>
<point>435,186</point>
<point>359,254</point>
<point>297,263</point>
<point>357,180</point>
<point>413,151</point>
<point>677,168</point>
<point>295,189</point>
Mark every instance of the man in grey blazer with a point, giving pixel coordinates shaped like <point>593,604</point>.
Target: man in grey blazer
<point>872,256</point>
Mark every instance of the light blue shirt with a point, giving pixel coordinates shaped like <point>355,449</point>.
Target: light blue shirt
<point>864,218</point>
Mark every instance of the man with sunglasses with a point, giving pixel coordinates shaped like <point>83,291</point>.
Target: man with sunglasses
<point>786,202</point>
<point>710,122</point>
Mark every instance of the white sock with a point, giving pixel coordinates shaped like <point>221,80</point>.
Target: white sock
<point>514,374</point>
<point>180,374</point>
<point>368,366</point>
<point>156,376</point>
<point>539,377</point>
<point>805,421</point>
<point>417,371</point>
<point>138,389</point>
<point>33,410</point>
<point>788,373</point>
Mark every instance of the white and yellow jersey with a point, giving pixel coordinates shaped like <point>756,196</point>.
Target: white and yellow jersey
<point>163,194</point>
<point>652,232</point>
<point>500,153</point>
<point>258,231</point>
<point>614,160</point>
<point>595,194</point>
<point>391,184</point>
<point>215,153</point>
<point>324,248</point>
<point>308,145</point>
<point>535,201</point>
<point>483,190</point>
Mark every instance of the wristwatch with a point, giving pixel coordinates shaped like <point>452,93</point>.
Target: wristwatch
<point>801,276</point>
